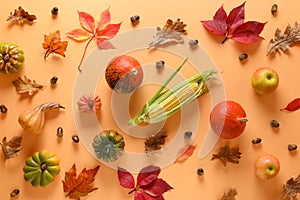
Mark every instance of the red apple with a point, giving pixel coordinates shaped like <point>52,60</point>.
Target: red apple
<point>265,80</point>
<point>266,166</point>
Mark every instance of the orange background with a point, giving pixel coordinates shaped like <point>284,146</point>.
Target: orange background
<point>236,76</point>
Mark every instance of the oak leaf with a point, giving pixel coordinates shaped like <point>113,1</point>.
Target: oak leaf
<point>12,147</point>
<point>229,195</point>
<point>53,44</point>
<point>171,32</point>
<point>228,154</point>
<point>155,142</point>
<point>20,15</point>
<point>233,25</point>
<point>291,189</point>
<point>148,185</point>
<point>292,106</point>
<point>99,29</point>
<point>27,85</point>
<point>283,41</point>
<point>81,185</point>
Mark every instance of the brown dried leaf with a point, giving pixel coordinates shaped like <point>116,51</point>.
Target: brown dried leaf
<point>156,142</point>
<point>27,86</point>
<point>230,195</point>
<point>171,32</point>
<point>227,154</point>
<point>291,189</point>
<point>283,41</point>
<point>12,147</point>
<point>20,15</point>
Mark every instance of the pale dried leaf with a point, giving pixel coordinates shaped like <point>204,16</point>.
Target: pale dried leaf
<point>291,189</point>
<point>27,85</point>
<point>230,195</point>
<point>20,15</point>
<point>283,41</point>
<point>12,147</point>
<point>171,32</point>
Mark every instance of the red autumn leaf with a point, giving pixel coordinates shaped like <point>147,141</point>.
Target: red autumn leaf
<point>101,30</point>
<point>148,186</point>
<point>185,154</point>
<point>233,26</point>
<point>125,178</point>
<point>147,175</point>
<point>80,186</point>
<point>157,188</point>
<point>292,106</point>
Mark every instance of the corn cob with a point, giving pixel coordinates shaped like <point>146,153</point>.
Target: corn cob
<point>163,105</point>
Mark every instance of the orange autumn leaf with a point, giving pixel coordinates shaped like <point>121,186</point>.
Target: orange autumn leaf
<point>185,154</point>
<point>53,44</point>
<point>80,186</point>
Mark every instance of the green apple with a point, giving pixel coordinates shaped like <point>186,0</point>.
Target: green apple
<point>266,166</point>
<point>265,80</point>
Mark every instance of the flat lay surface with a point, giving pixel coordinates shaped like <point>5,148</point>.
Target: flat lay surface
<point>198,175</point>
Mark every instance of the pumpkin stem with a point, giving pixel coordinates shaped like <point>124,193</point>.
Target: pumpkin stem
<point>243,120</point>
<point>6,57</point>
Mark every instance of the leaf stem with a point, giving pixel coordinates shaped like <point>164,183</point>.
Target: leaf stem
<point>224,40</point>
<point>84,52</point>
<point>132,191</point>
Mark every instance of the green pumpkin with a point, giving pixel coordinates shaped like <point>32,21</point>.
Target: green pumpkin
<point>41,168</point>
<point>11,58</point>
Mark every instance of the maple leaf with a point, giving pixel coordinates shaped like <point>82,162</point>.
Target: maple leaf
<point>185,154</point>
<point>12,147</point>
<point>148,186</point>
<point>233,25</point>
<point>292,106</point>
<point>80,186</point>
<point>20,15</point>
<point>27,85</point>
<point>228,154</point>
<point>155,142</point>
<point>171,32</point>
<point>283,41</point>
<point>100,30</point>
<point>291,189</point>
<point>53,44</point>
<point>229,195</point>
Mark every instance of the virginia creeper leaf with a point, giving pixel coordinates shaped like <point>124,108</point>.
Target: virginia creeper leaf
<point>80,186</point>
<point>147,175</point>
<point>185,154</point>
<point>292,106</point>
<point>87,21</point>
<point>157,187</point>
<point>105,44</point>
<point>148,186</point>
<point>125,178</point>
<point>233,25</point>
<point>235,18</point>
<point>101,30</point>
<point>79,35</point>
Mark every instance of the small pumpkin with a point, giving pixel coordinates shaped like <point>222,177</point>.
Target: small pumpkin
<point>109,145</point>
<point>11,58</point>
<point>124,74</point>
<point>41,168</point>
<point>228,119</point>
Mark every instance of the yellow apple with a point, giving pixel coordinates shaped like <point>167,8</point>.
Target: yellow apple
<point>265,80</point>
